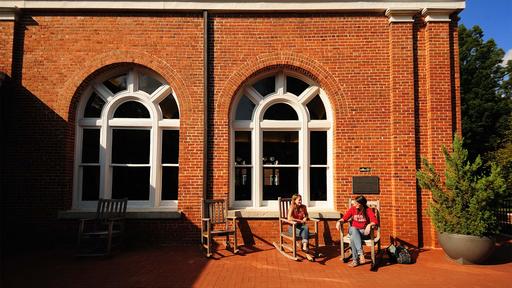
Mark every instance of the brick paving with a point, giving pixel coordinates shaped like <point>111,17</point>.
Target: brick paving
<point>256,267</point>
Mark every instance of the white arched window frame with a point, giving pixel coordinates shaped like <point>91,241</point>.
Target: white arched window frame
<point>106,123</point>
<point>304,126</point>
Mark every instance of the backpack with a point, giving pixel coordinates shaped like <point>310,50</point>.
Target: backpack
<point>399,254</point>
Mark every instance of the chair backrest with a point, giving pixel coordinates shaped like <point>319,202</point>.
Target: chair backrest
<point>216,210</point>
<point>284,204</point>
<point>111,208</point>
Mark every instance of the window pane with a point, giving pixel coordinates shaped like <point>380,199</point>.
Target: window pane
<point>280,111</point>
<point>243,183</point>
<point>116,84</point>
<point>244,109</point>
<point>170,146</point>
<point>130,146</point>
<point>281,147</point>
<point>243,147</point>
<point>91,146</point>
<point>170,108</point>
<point>318,183</point>
<point>94,106</point>
<point>90,183</point>
<point>316,109</point>
<point>295,86</point>
<point>318,146</point>
<point>131,182</point>
<point>131,109</point>
<point>266,86</point>
<point>280,182</point>
<point>170,183</point>
<point>148,84</point>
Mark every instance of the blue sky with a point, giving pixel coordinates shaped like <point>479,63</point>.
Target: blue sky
<point>495,19</point>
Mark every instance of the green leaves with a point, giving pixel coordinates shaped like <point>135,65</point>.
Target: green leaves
<point>485,91</point>
<point>465,203</point>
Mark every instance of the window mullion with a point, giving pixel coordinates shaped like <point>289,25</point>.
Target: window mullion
<point>155,194</point>
<point>160,93</point>
<point>308,93</point>
<point>103,92</point>
<point>280,83</point>
<point>253,95</point>
<point>132,81</point>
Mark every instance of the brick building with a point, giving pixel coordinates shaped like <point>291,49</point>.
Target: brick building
<point>171,102</point>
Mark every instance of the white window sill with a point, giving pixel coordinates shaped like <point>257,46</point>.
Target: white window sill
<point>130,214</point>
<point>262,213</point>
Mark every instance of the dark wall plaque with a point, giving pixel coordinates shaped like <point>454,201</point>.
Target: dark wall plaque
<point>365,185</point>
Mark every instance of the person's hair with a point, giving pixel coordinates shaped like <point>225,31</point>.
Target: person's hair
<point>294,197</point>
<point>362,200</point>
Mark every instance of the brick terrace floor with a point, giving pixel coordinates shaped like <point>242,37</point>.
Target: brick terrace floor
<point>256,267</point>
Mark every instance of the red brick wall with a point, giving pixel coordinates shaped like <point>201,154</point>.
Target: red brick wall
<point>391,88</point>
<point>6,42</point>
<point>60,53</point>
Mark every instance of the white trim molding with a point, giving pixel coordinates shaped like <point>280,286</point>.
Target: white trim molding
<point>437,15</point>
<point>401,15</point>
<point>8,13</point>
<point>237,5</point>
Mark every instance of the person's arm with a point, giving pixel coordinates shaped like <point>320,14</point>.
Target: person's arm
<point>345,218</point>
<point>290,217</point>
<point>373,221</point>
<point>373,218</point>
<point>306,214</point>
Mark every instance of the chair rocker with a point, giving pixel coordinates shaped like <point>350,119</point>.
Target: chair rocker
<point>372,240</point>
<point>215,223</point>
<point>292,238</point>
<point>97,236</point>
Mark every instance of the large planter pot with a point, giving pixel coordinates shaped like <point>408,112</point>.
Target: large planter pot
<point>466,249</point>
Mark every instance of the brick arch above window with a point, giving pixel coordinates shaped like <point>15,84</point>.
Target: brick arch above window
<point>277,61</point>
<point>72,89</point>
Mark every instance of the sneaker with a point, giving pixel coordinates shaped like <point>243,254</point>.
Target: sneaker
<point>305,247</point>
<point>362,260</point>
<point>354,263</point>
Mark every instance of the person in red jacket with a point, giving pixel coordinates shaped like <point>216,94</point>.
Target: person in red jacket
<point>362,219</point>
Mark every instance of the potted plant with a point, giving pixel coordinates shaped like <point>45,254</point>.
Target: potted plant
<point>463,207</point>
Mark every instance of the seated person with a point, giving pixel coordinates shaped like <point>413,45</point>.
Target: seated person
<point>299,213</point>
<point>363,219</point>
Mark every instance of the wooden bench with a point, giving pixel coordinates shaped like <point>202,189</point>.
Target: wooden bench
<point>97,236</point>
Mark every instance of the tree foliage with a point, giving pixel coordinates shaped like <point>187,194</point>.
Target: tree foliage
<point>465,203</point>
<point>486,92</point>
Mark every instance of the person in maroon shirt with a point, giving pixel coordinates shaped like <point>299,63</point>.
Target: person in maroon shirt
<point>299,214</point>
<point>362,219</point>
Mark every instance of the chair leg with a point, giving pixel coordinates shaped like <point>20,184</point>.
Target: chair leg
<point>235,249</point>
<point>294,245</point>
<point>373,251</point>
<point>342,246</point>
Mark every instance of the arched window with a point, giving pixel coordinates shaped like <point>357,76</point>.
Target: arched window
<point>281,130</point>
<point>127,141</point>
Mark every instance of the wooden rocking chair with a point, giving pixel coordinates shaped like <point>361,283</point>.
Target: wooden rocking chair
<point>282,247</point>
<point>215,213</point>
<point>97,236</point>
<point>372,240</point>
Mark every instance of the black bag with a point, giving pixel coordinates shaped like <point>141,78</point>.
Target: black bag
<point>399,254</point>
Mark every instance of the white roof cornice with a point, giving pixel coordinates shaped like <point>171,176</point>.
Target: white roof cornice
<point>238,5</point>
<point>8,14</point>
<point>401,15</point>
<point>436,14</point>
